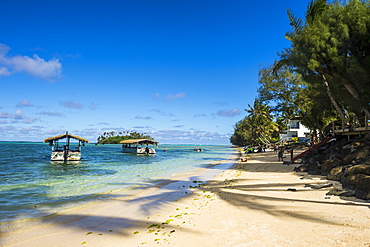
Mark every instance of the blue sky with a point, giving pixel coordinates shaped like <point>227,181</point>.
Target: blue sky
<point>182,71</point>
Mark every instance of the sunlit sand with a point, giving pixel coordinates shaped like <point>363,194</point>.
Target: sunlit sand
<point>256,203</point>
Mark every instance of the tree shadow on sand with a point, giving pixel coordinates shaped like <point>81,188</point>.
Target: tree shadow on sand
<point>269,198</point>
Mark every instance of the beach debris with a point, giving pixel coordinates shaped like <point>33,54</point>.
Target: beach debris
<point>167,222</point>
<point>155,225</point>
<point>83,243</point>
<point>137,232</point>
<point>88,233</point>
<point>291,189</point>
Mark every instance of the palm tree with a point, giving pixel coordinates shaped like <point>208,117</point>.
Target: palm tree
<point>261,121</point>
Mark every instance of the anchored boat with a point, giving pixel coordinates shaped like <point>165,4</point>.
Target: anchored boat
<point>66,151</point>
<point>138,146</point>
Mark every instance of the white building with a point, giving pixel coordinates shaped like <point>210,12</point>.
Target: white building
<point>295,129</point>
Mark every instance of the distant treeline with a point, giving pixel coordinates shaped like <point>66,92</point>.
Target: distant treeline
<point>115,138</point>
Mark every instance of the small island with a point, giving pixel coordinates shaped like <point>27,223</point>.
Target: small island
<point>115,138</point>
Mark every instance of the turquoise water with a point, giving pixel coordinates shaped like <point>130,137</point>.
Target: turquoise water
<point>33,186</point>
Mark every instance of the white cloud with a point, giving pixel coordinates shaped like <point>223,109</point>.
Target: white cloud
<point>30,120</point>
<point>228,113</point>
<point>4,71</point>
<point>189,137</point>
<point>71,104</point>
<point>162,113</point>
<point>17,115</point>
<point>93,106</point>
<point>24,103</point>
<point>51,114</point>
<point>171,97</point>
<point>6,115</point>
<point>35,66</point>
<point>157,96</point>
<point>5,129</point>
<point>200,115</point>
<point>144,118</point>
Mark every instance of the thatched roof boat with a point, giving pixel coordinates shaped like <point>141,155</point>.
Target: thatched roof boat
<point>139,141</point>
<point>59,137</point>
<point>65,152</point>
<point>136,146</point>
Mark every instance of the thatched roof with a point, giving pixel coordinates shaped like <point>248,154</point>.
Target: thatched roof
<point>139,141</point>
<point>55,138</point>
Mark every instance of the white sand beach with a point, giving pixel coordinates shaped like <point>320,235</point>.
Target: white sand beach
<point>258,203</point>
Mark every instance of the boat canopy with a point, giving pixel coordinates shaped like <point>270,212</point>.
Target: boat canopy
<point>56,138</point>
<point>139,141</point>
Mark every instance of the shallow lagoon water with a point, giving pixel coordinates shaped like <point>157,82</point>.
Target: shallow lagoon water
<point>32,186</point>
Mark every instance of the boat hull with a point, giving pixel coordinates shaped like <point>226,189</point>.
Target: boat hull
<point>138,150</point>
<point>60,156</point>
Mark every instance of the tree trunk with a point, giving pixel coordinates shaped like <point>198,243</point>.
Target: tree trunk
<point>334,102</point>
<point>353,91</point>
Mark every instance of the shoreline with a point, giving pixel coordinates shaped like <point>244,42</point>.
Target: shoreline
<point>160,190</point>
<point>248,204</point>
<point>77,190</point>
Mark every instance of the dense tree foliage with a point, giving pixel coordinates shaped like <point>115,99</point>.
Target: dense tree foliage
<point>332,49</point>
<point>322,77</point>
<point>255,129</point>
<point>115,138</point>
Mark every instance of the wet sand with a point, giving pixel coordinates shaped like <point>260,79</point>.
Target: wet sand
<point>258,203</point>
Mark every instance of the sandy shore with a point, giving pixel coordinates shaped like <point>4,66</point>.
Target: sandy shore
<point>258,203</point>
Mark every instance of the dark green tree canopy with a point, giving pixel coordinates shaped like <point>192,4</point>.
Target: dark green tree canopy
<point>115,138</point>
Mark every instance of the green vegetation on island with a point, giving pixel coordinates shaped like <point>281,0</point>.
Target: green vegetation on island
<point>322,79</point>
<point>115,138</point>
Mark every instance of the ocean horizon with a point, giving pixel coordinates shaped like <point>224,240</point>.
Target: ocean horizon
<point>32,186</point>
